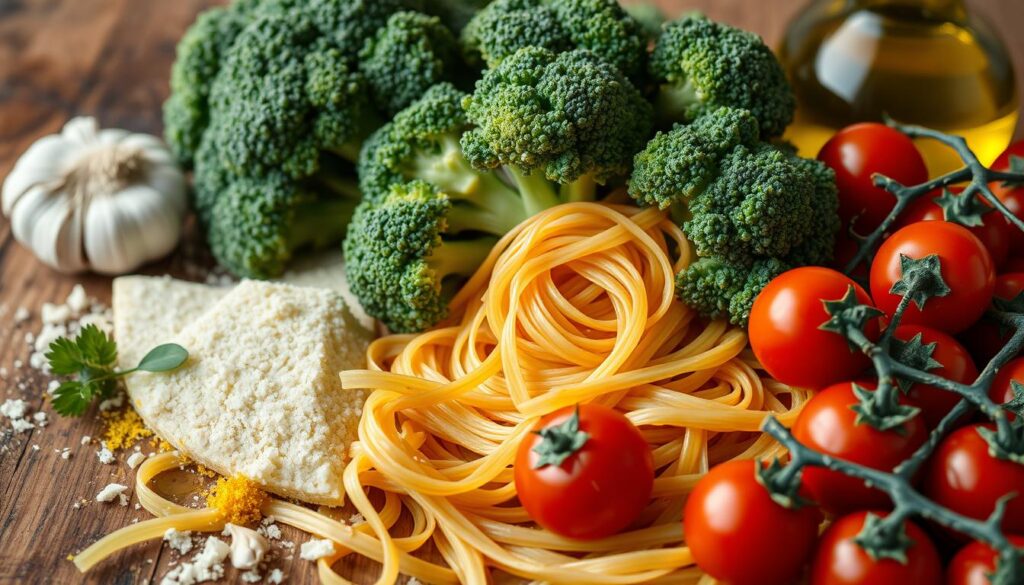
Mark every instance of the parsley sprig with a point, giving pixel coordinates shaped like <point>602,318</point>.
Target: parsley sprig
<point>90,358</point>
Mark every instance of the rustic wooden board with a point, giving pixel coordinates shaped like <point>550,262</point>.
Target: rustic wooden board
<point>110,59</point>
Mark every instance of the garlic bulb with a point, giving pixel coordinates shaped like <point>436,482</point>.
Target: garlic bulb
<point>247,546</point>
<point>105,200</point>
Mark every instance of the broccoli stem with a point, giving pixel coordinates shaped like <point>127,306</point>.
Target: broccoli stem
<point>348,151</point>
<point>321,223</point>
<point>460,257</point>
<point>489,219</point>
<point>537,192</point>
<point>582,189</point>
<point>674,100</point>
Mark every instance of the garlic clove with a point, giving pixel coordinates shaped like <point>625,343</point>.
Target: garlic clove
<point>44,160</point>
<point>128,228</point>
<point>247,546</point>
<point>46,223</point>
<point>81,130</point>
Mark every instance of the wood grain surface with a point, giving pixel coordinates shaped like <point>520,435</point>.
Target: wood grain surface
<point>110,59</point>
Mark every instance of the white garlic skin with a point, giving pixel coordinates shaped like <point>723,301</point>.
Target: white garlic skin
<point>91,199</point>
<point>247,546</point>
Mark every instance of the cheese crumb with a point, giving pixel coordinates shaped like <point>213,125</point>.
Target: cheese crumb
<point>135,459</point>
<point>77,300</point>
<point>105,455</point>
<point>413,581</point>
<point>252,576</point>
<point>21,315</point>
<point>356,518</point>
<point>40,418</point>
<point>13,408</point>
<point>276,577</point>
<point>180,541</point>
<point>316,549</point>
<point>112,491</point>
<point>85,440</point>
<point>206,566</point>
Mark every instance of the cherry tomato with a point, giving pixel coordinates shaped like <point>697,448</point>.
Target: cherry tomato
<point>730,511</point>
<point>1001,391</point>
<point>784,328</point>
<point>986,338</point>
<point>841,561</point>
<point>965,478</point>
<point>995,231</point>
<point>828,424</point>
<point>975,562</point>
<point>603,483</point>
<point>859,151</point>
<point>1012,196</point>
<point>967,270</point>
<point>956,365</point>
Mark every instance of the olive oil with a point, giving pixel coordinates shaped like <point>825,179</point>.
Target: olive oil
<point>924,62</point>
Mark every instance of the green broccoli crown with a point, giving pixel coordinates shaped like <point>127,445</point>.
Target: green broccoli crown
<point>285,93</point>
<point>717,288</point>
<point>349,24</point>
<point>600,26</point>
<point>406,57</point>
<point>676,165</point>
<point>568,114</point>
<point>818,244</point>
<point>256,224</point>
<point>405,256</point>
<point>455,14</point>
<point>759,205</point>
<point>704,65</point>
<point>199,54</point>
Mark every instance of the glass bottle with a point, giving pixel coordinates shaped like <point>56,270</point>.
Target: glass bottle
<point>926,62</point>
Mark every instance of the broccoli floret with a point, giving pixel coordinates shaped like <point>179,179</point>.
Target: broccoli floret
<point>455,14</point>
<point>407,254</point>
<point>406,57</point>
<point>751,209</point>
<point>650,17</point>
<point>199,53</point>
<point>348,24</point>
<point>600,26</point>
<point>569,116</point>
<point>257,223</point>
<point>702,65</point>
<point>717,288</point>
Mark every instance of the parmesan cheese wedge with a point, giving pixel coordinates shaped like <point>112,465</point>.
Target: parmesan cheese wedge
<point>260,393</point>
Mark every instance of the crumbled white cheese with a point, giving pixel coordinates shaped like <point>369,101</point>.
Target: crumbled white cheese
<point>30,337</point>
<point>85,440</point>
<point>271,531</point>
<point>134,459</point>
<point>3,373</point>
<point>21,315</point>
<point>35,447</point>
<point>52,386</point>
<point>111,403</point>
<point>356,518</point>
<point>276,577</point>
<point>316,549</point>
<point>252,576</point>
<point>40,418</point>
<point>77,300</point>
<point>65,454</point>
<point>413,581</point>
<point>247,546</point>
<point>178,540</point>
<point>14,408</point>
<point>111,492</point>
<point>105,455</point>
<point>206,566</point>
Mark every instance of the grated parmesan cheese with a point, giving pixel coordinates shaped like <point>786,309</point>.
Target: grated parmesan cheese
<point>276,577</point>
<point>208,565</point>
<point>180,541</point>
<point>135,459</point>
<point>316,549</point>
<point>105,455</point>
<point>112,492</point>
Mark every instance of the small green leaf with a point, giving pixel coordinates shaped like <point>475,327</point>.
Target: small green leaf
<point>64,356</point>
<point>964,209</point>
<point>97,349</point>
<point>559,442</point>
<point>921,279</point>
<point>72,398</point>
<point>163,358</point>
<point>882,540</point>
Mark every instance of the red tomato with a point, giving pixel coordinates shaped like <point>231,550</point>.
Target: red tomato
<point>784,331</point>
<point>1011,196</point>
<point>859,151</point>
<point>985,338</point>
<point>973,564</point>
<point>966,268</point>
<point>827,424</point>
<point>1001,391</point>
<point>730,511</point>
<point>600,488</point>
<point>957,365</point>
<point>965,478</point>
<point>995,231</point>
<point>1014,263</point>
<point>841,561</point>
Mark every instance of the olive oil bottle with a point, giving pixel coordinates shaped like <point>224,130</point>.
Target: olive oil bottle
<point>926,62</point>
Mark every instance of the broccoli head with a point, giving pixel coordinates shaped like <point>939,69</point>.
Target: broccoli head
<point>407,254</point>
<point>600,26</point>
<point>570,116</point>
<point>285,93</point>
<point>703,65</point>
<point>406,57</point>
<point>751,209</point>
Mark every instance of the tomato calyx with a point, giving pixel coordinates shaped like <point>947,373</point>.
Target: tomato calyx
<point>963,209</point>
<point>848,314</point>
<point>559,442</point>
<point>914,353</point>
<point>783,484</point>
<point>1006,441</point>
<point>1015,404</point>
<point>881,538</point>
<point>920,280</point>
<point>882,410</point>
<point>1016,166</point>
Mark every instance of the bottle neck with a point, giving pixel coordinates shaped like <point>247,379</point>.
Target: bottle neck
<point>936,9</point>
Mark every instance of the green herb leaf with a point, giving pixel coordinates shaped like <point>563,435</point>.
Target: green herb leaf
<point>163,358</point>
<point>64,356</point>
<point>72,398</point>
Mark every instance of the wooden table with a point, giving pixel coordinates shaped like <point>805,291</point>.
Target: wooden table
<point>110,59</point>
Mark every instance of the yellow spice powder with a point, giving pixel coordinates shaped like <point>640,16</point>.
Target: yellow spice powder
<point>238,499</point>
<point>123,428</point>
